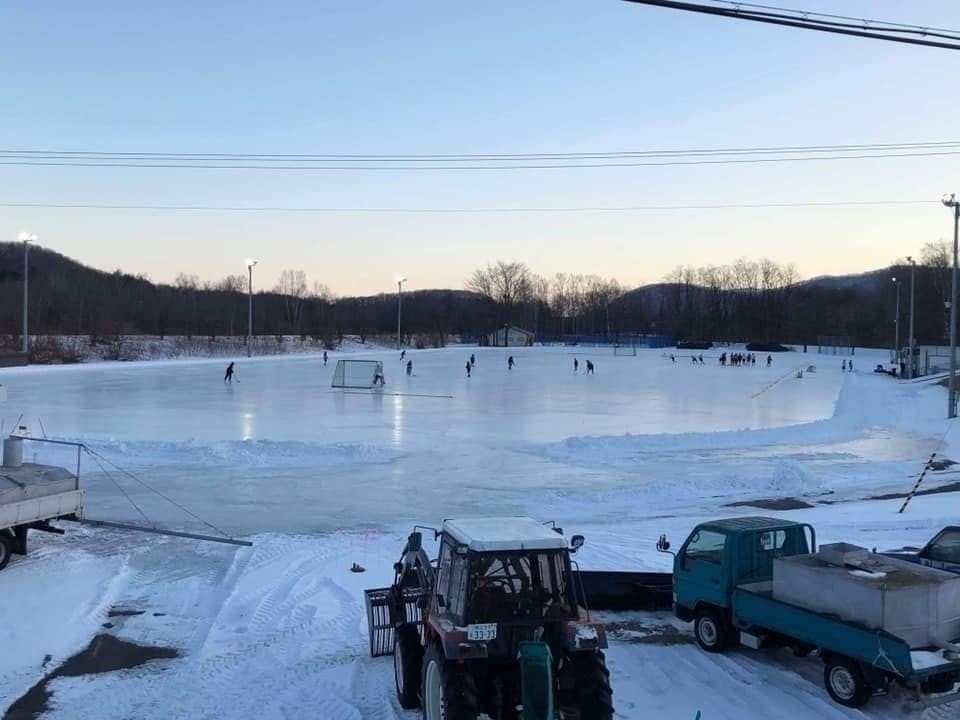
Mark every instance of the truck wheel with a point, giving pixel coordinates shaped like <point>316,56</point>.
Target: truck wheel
<point>584,687</point>
<point>407,661</point>
<point>710,630</point>
<point>6,548</point>
<point>845,682</point>
<point>448,689</point>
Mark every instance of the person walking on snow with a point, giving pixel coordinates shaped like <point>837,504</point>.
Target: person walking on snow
<point>510,363</point>
<point>589,367</point>
<point>468,368</point>
<point>228,377</point>
<point>409,368</point>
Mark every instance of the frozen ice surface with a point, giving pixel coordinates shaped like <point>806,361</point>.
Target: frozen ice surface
<point>279,450</point>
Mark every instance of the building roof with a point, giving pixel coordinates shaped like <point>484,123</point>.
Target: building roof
<point>749,523</point>
<point>492,534</point>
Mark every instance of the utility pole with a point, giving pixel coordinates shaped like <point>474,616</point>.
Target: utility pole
<point>400,281</point>
<point>913,272</point>
<point>26,238</point>
<point>250,265</point>
<point>952,202</point>
<point>896,325</point>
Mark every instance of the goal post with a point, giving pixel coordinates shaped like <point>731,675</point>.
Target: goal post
<point>357,374</point>
<point>834,345</point>
<point>624,349</point>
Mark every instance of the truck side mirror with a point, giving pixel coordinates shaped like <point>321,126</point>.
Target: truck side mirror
<point>576,542</point>
<point>663,545</point>
<point>414,542</point>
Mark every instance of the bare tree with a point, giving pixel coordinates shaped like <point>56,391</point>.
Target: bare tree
<point>292,285</point>
<point>506,284</point>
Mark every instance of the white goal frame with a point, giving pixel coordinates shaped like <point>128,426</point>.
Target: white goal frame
<point>624,350</point>
<point>356,374</point>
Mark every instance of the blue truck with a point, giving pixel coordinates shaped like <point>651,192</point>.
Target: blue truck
<point>723,583</point>
<point>942,552</point>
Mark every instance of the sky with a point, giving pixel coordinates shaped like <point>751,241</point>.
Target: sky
<point>378,77</point>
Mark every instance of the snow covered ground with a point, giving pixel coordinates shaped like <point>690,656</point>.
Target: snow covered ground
<point>321,479</point>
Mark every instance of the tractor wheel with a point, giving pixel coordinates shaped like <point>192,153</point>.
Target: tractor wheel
<point>448,689</point>
<point>407,661</point>
<point>845,682</point>
<point>710,630</point>
<point>6,548</point>
<point>584,687</point>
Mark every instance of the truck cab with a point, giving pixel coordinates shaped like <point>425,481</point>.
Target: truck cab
<point>722,554</point>
<point>942,552</point>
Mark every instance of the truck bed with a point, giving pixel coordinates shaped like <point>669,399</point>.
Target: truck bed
<point>33,493</point>
<point>754,605</point>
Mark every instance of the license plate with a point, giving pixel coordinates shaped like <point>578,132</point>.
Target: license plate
<point>482,631</point>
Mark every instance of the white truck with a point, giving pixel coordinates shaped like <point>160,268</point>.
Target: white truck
<point>32,495</point>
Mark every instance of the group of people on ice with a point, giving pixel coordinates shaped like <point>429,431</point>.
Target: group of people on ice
<point>589,366</point>
<point>737,359</point>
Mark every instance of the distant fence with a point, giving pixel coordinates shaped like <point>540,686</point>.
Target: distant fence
<point>641,340</point>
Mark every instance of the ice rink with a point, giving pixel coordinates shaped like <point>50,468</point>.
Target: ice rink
<point>321,479</point>
<point>280,450</point>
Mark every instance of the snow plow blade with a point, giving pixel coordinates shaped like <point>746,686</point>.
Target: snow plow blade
<point>622,590</point>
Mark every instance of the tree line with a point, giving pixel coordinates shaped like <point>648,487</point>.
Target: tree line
<point>747,300</point>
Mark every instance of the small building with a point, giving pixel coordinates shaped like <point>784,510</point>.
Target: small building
<point>509,336</point>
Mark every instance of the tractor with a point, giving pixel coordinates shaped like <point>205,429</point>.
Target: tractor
<point>496,625</point>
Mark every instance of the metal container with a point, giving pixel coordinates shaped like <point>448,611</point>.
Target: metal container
<point>12,452</point>
<point>918,604</point>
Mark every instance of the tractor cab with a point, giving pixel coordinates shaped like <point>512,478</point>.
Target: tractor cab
<point>505,570</point>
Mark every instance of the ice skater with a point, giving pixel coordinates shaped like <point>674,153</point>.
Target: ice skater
<point>409,368</point>
<point>701,359</point>
<point>510,363</point>
<point>469,367</point>
<point>228,377</point>
<point>473,360</point>
<point>673,358</point>
<point>843,367</point>
<point>769,360</point>
<point>324,357</point>
<point>379,379</point>
<point>589,367</point>
<point>576,366</point>
<point>403,354</point>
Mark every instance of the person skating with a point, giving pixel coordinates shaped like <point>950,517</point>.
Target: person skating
<point>576,365</point>
<point>510,363</point>
<point>701,359</point>
<point>324,357</point>
<point>843,367</point>
<point>468,368</point>
<point>403,354</point>
<point>409,368</point>
<point>769,360</point>
<point>473,360</point>
<point>589,367</point>
<point>673,358</point>
<point>228,377</point>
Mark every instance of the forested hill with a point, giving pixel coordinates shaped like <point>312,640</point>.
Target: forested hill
<point>744,301</point>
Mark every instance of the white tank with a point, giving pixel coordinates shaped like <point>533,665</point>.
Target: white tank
<point>12,452</point>
<point>916,603</point>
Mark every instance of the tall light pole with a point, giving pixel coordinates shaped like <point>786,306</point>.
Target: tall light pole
<point>26,238</point>
<point>952,202</point>
<point>896,325</point>
<point>400,281</point>
<point>250,265</point>
<point>912,341</point>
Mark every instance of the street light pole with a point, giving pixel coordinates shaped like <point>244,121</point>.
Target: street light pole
<point>896,326</point>
<point>912,341</point>
<point>952,202</point>
<point>26,238</point>
<point>400,281</point>
<point>250,265</point>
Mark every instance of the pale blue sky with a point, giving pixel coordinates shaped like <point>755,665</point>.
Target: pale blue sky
<point>452,77</point>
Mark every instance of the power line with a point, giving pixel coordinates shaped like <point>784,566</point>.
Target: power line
<point>875,30</point>
<point>106,156</point>
<point>510,166</point>
<point>464,211</point>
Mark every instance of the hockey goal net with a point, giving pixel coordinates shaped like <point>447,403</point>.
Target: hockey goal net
<point>624,349</point>
<point>360,374</point>
<point>835,345</point>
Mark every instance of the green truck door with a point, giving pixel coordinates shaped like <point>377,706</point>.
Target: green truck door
<point>700,570</point>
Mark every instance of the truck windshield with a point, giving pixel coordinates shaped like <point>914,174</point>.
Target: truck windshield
<point>532,584</point>
<point>945,548</point>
